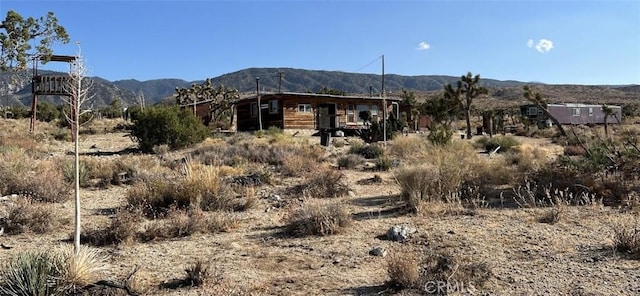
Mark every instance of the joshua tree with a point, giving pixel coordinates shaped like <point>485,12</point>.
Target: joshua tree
<point>608,111</point>
<point>537,99</point>
<point>468,86</point>
<point>221,99</point>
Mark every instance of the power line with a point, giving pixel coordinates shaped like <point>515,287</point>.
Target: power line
<point>369,64</point>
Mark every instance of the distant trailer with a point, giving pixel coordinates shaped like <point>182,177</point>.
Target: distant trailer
<point>572,114</point>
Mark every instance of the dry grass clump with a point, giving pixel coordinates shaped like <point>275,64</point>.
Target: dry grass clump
<point>24,215</point>
<point>298,165</point>
<point>350,161</point>
<point>325,183</point>
<point>318,219</point>
<point>181,223</point>
<point>403,269</point>
<point>81,268</point>
<point>196,275</point>
<point>414,270</point>
<point>627,238</point>
<point>41,180</point>
<point>123,229</point>
<point>407,148</point>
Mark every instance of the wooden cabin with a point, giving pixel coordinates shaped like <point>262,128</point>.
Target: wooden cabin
<point>572,113</point>
<point>289,110</point>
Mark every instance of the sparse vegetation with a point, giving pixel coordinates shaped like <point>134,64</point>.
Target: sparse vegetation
<point>318,219</point>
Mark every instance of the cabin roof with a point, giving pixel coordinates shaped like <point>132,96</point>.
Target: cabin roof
<point>294,95</point>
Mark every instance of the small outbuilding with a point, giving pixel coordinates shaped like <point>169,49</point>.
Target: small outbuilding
<point>573,113</point>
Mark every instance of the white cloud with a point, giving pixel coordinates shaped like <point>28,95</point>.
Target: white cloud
<point>543,45</point>
<point>423,46</point>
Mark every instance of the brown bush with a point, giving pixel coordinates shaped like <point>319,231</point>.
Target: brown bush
<point>24,215</point>
<point>122,229</point>
<point>326,183</point>
<point>318,219</point>
<point>181,223</point>
<point>403,269</point>
<point>627,238</point>
<point>574,150</point>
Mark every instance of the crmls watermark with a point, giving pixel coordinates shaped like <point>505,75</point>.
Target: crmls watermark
<point>444,287</point>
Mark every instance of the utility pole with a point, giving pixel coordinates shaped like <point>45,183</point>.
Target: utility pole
<point>259,106</point>
<point>280,81</point>
<point>384,109</point>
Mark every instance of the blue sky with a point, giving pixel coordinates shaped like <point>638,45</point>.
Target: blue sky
<point>575,42</point>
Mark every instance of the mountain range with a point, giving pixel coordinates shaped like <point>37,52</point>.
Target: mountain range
<point>301,80</point>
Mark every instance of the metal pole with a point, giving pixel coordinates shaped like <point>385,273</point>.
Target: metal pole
<point>259,106</point>
<point>384,110</point>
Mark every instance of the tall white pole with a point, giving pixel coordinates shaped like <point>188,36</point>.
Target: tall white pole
<point>384,109</point>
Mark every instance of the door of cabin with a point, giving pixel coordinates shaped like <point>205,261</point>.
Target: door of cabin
<point>326,116</point>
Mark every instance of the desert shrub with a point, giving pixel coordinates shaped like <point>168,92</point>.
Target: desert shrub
<point>83,173</point>
<point>298,165</point>
<point>440,135</point>
<point>554,213</point>
<point>177,223</point>
<point>384,163</point>
<point>318,219</point>
<point>574,150</point>
<point>627,238</point>
<point>506,143</point>
<point>26,216</point>
<point>81,268</point>
<point>407,147</point>
<point>370,151</point>
<point>48,112</point>
<point>42,182</point>
<point>327,183</point>
<point>167,125</point>
<point>454,270</point>
<point>183,223</point>
<point>403,269</point>
<point>204,189</point>
<point>122,229</point>
<point>196,275</point>
<point>155,197</point>
<point>350,161</point>
<point>34,274</point>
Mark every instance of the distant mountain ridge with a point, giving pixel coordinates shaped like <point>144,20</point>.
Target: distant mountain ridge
<point>301,80</point>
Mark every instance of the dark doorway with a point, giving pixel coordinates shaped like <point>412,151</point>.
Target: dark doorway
<point>326,116</point>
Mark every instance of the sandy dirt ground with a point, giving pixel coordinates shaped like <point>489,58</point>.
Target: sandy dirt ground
<point>572,257</point>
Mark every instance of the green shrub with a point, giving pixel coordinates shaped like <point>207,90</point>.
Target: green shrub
<point>350,161</point>
<point>35,274</point>
<point>440,135</point>
<point>69,173</point>
<point>167,125</point>
<point>370,151</point>
<point>384,163</point>
<point>506,143</point>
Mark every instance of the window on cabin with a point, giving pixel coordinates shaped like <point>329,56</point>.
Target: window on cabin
<point>575,111</point>
<point>354,111</point>
<point>253,110</point>
<point>351,117</point>
<point>590,111</point>
<point>273,107</point>
<point>532,111</point>
<point>304,108</point>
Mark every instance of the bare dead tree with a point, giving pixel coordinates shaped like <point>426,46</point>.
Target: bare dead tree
<point>78,87</point>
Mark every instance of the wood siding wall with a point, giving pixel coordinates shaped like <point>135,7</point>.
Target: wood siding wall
<point>288,116</point>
